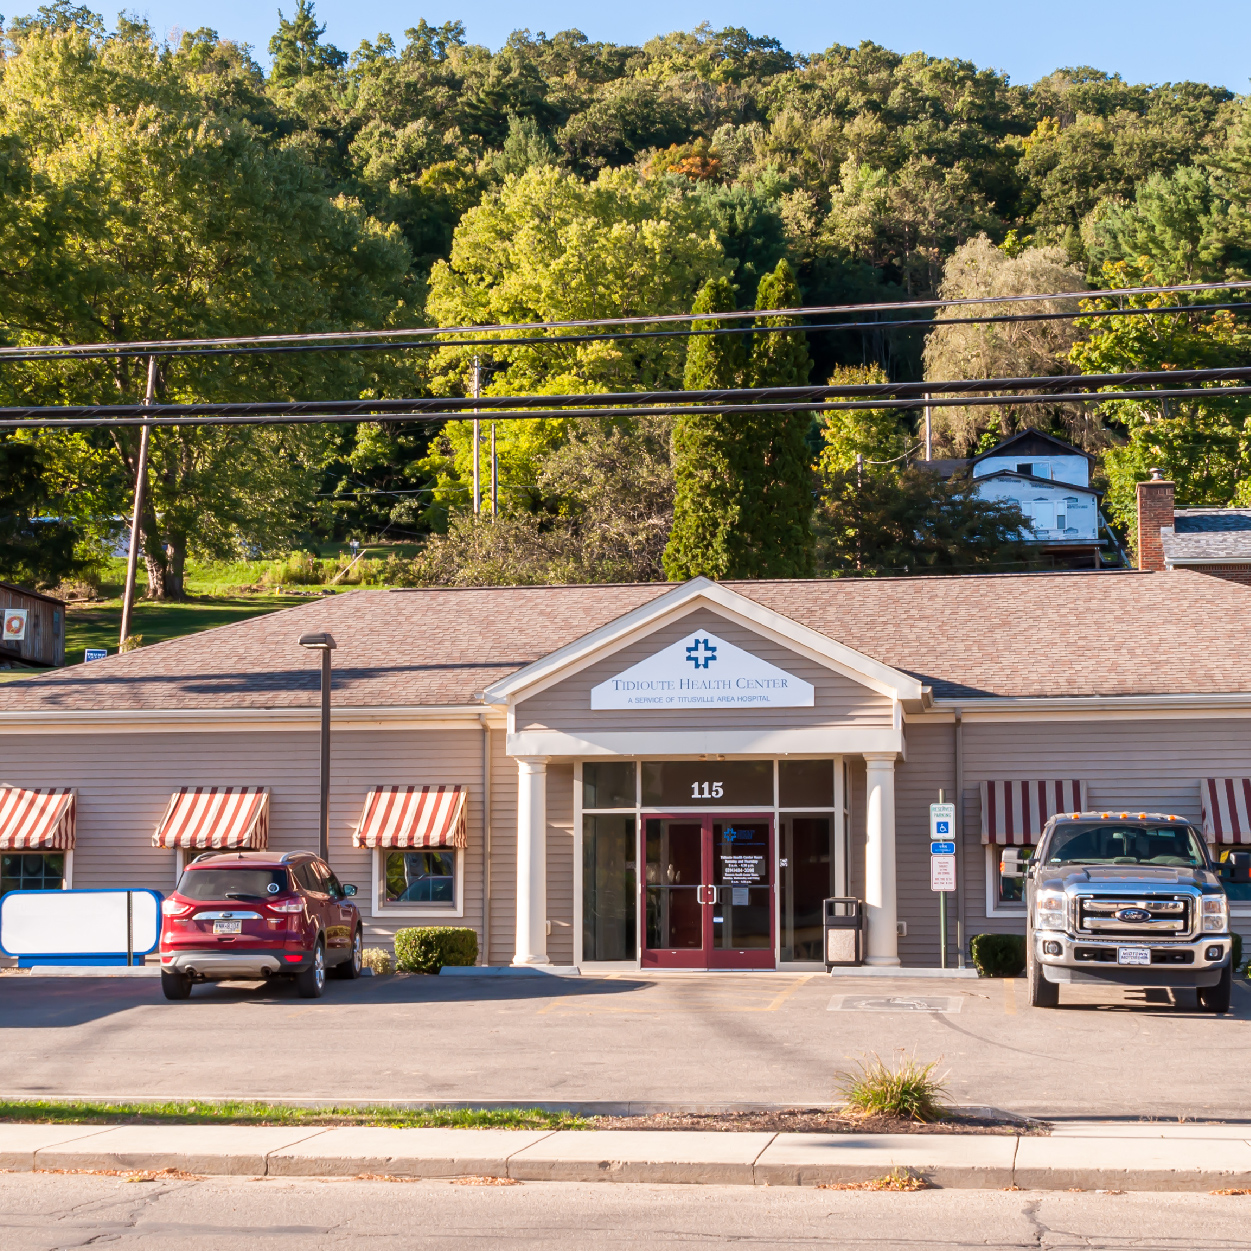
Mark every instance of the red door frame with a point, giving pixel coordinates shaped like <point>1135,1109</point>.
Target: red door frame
<point>707,957</point>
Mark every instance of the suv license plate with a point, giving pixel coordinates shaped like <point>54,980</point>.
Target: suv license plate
<point>227,927</point>
<point>1133,955</point>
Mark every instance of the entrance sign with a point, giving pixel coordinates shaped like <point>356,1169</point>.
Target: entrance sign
<point>702,671</point>
<point>942,873</point>
<point>79,926</point>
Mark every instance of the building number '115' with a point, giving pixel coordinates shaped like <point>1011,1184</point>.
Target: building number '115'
<point>707,790</point>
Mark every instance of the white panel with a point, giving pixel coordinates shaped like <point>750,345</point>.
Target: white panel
<point>76,922</point>
<point>702,670</point>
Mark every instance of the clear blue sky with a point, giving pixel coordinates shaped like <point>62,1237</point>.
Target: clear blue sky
<point>1143,40</point>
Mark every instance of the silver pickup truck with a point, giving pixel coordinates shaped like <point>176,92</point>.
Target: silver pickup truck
<point>1131,899</point>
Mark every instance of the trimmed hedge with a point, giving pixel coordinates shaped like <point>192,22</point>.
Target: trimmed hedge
<point>428,948</point>
<point>998,955</point>
<point>1237,953</point>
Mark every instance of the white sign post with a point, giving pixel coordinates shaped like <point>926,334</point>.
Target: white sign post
<point>942,863</point>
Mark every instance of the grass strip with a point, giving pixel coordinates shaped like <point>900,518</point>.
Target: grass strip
<point>201,1112</point>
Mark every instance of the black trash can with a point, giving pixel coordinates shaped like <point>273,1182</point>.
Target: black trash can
<point>844,932</point>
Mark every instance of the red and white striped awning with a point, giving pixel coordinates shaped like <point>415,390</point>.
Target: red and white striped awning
<point>1014,813</point>
<point>216,816</point>
<point>36,819</point>
<point>413,816</point>
<point>1226,810</point>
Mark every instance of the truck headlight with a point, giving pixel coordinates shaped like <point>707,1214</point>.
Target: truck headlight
<point>1050,910</point>
<point>1215,914</point>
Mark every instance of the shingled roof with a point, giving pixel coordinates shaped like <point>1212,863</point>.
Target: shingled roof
<point>1208,535</point>
<point>1046,635</point>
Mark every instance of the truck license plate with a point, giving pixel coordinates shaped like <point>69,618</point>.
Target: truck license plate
<point>227,927</point>
<point>1133,955</point>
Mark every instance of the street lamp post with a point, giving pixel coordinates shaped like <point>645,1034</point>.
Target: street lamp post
<point>325,644</point>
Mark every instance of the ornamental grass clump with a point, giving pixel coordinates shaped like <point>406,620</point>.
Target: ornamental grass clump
<point>378,960</point>
<point>909,1090</point>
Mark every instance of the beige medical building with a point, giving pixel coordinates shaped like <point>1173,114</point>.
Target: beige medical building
<point>660,775</point>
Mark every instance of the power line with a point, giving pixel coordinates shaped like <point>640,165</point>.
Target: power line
<point>411,332</point>
<point>959,391</point>
<point>66,352</point>
<point>652,410</point>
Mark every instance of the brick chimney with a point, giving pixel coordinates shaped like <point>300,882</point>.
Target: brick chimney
<point>1155,509</point>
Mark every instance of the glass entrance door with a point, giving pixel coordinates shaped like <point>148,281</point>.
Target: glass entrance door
<point>707,892</point>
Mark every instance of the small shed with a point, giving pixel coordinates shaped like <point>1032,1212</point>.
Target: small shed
<point>33,627</point>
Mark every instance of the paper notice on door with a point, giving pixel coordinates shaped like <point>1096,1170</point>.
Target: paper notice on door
<point>738,896</point>
<point>742,868</point>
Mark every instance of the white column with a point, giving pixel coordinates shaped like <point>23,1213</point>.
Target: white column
<point>531,860</point>
<point>879,858</point>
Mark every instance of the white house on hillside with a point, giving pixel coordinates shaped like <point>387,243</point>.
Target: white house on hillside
<point>1050,481</point>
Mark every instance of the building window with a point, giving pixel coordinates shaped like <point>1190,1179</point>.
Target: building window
<point>1006,868</point>
<point>609,887</point>
<point>609,784</point>
<point>1025,466</point>
<point>32,870</point>
<point>416,879</point>
<point>715,783</point>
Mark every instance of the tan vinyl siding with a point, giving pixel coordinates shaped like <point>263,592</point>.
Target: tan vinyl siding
<point>503,852</point>
<point>124,782</point>
<point>930,767</point>
<point>839,700</point>
<point>1148,764</point>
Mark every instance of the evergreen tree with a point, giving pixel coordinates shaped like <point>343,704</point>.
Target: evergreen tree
<point>708,498</point>
<point>297,48</point>
<point>743,505</point>
<point>776,472</point>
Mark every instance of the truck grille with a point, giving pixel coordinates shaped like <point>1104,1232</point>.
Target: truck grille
<point>1154,915</point>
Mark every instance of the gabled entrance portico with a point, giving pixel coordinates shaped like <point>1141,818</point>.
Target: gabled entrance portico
<point>733,729</point>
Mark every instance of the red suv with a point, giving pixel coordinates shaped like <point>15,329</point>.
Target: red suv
<point>240,916</point>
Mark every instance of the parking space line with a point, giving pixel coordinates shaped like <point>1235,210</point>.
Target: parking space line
<point>784,995</point>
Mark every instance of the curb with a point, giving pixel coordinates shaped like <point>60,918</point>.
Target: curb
<point>1151,1158</point>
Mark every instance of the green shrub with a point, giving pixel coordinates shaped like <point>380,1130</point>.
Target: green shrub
<point>428,948</point>
<point>998,955</point>
<point>1237,956</point>
<point>908,1090</point>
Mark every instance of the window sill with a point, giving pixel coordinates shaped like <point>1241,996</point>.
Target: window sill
<point>382,913</point>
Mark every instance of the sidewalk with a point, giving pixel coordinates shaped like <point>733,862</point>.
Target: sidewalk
<point>1087,1156</point>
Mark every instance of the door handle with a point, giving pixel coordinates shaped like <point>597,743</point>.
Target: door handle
<point>712,895</point>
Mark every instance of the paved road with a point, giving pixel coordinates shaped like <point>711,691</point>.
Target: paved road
<point>712,1038</point>
<point>43,1212</point>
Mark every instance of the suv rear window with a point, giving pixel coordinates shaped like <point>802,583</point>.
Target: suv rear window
<point>1119,843</point>
<point>238,883</point>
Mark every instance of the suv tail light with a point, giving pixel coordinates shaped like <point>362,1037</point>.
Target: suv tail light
<point>286,905</point>
<point>174,908</point>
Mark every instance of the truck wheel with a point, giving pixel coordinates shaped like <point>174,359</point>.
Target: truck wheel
<point>1042,993</point>
<point>1216,998</point>
<point>178,985</point>
<point>351,967</point>
<point>312,981</point>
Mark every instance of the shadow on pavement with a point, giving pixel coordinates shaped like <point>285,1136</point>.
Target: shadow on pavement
<point>56,1003</point>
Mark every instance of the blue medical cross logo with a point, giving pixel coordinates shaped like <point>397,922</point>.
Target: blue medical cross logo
<point>709,653</point>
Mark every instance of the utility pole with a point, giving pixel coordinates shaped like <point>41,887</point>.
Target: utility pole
<point>859,504</point>
<point>929,430</point>
<point>141,476</point>
<point>325,644</point>
<point>495,477</point>
<point>477,441</point>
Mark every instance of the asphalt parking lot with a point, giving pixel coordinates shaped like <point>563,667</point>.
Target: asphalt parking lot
<point>704,1039</point>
